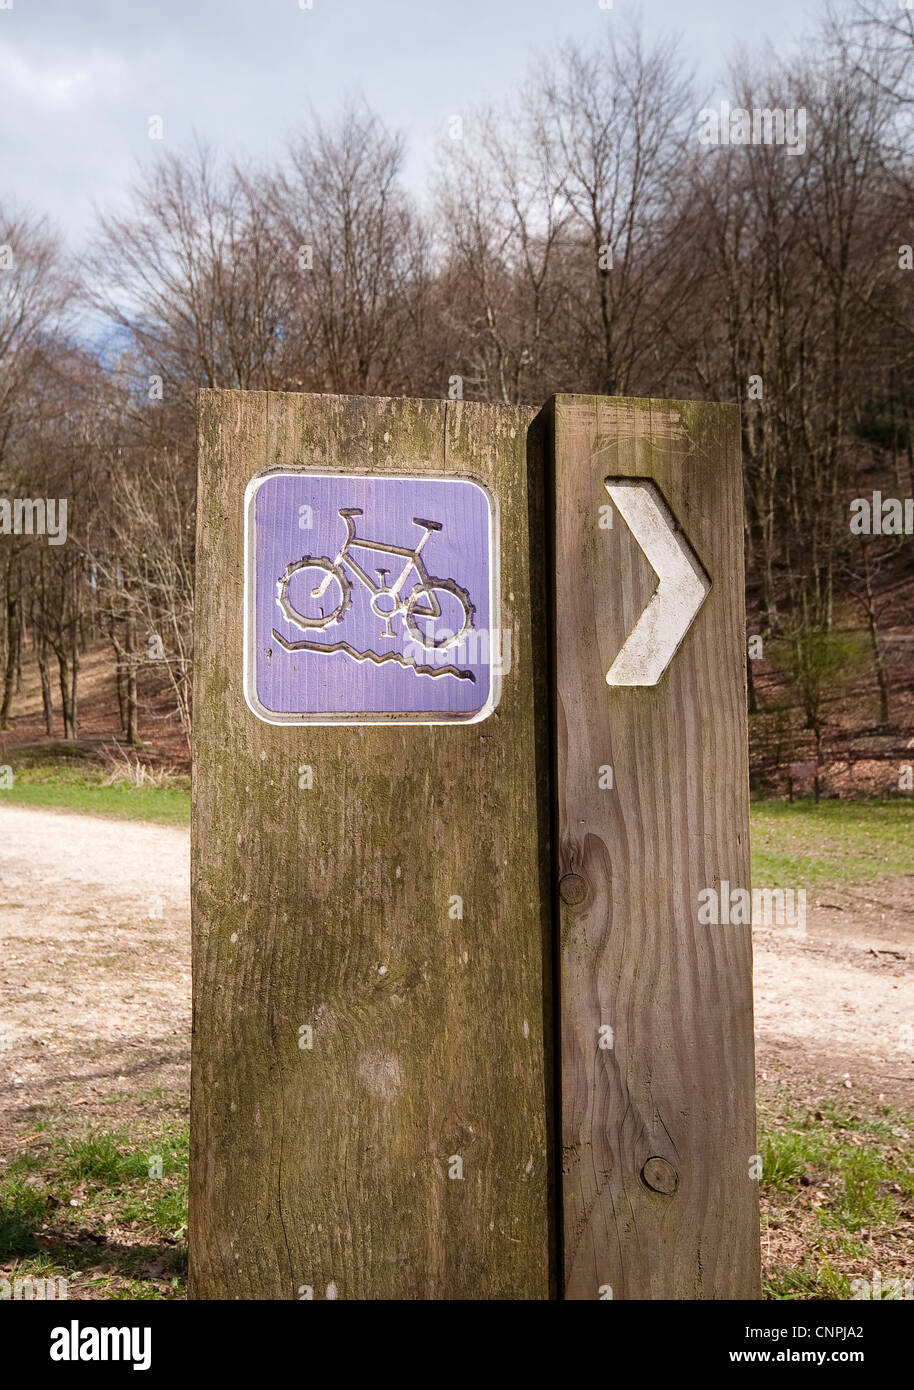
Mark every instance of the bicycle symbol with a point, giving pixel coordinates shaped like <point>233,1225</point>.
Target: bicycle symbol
<point>423,601</point>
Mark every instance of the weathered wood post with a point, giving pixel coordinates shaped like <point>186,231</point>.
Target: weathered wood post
<point>375,929</point>
<point>370,860</point>
<point>659,1175</point>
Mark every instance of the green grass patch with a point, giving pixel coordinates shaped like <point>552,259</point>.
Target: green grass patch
<point>842,1182</point>
<point>859,1158</point>
<point>102,1159</point>
<point>803,843</point>
<point>106,1210</point>
<point>833,842</point>
<point>152,1094</point>
<point>77,784</point>
<point>808,1285</point>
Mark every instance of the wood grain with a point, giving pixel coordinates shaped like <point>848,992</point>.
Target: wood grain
<point>658,1130</point>
<point>328,1169</point>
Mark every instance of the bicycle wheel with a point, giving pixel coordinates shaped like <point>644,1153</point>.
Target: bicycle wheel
<point>318,612</point>
<point>414,611</point>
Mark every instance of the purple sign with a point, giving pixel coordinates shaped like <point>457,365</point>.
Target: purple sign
<point>370,599</point>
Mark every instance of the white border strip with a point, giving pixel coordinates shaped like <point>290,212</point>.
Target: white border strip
<point>250,603</point>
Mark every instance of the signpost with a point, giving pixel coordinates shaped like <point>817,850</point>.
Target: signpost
<point>370,1071</point>
<point>469,741</point>
<point>798,772</point>
<point>659,1172</point>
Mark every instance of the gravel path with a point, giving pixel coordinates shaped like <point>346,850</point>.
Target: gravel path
<point>95,975</point>
<point>94,964</point>
<point>834,1006</point>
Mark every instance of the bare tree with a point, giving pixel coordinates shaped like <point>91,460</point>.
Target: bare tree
<point>500,218</point>
<point>617,124</point>
<point>37,288</point>
<point>144,569</point>
<point>356,253</point>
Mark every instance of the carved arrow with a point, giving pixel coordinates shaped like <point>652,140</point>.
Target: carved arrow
<point>655,638</point>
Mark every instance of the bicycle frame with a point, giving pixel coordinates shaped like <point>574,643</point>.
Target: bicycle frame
<point>414,560</point>
<point>386,602</point>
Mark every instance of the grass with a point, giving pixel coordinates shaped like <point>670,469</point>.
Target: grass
<point>837,1197</point>
<point>830,843</point>
<point>90,1209</point>
<point>820,845</point>
<point>837,1193</point>
<point>79,784</point>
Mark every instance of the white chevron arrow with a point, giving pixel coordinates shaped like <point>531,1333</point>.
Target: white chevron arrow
<point>653,641</point>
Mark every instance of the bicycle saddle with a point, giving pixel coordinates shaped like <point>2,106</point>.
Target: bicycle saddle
<point>432,525</point>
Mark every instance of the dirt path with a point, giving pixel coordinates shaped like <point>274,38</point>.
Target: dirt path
<point>835,1005</point>
<point>94,965</point>
<point>95,976</point>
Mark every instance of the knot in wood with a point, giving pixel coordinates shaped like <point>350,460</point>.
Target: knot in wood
<point>572,889</point>
<point>660,1176</point>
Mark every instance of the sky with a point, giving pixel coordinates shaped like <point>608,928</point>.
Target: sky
<point>79,82</point>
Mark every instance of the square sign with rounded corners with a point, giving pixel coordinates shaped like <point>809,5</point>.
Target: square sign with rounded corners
<point>370,599</point>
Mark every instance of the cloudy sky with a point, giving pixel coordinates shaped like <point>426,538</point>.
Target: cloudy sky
<point>79,81</point>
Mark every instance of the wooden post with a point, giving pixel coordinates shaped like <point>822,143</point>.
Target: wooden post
<point>659,1175</point>
<point>370,1084</point>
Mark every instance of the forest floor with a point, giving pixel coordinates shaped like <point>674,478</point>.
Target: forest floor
<point>95,990</point>
<point>861,754</point>
<point>163,745</point>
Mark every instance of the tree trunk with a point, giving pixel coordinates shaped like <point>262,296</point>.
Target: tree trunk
<point>19,658</point>
<point>65,691</point>
<point>42,654</point>
<point>120,677</point>
<point>131,723</point>
<point>74,697</point>
<point>869,604</point>
<point>13,626</point>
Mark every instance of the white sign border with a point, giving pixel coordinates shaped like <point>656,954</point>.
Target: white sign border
<point>249,657</point>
